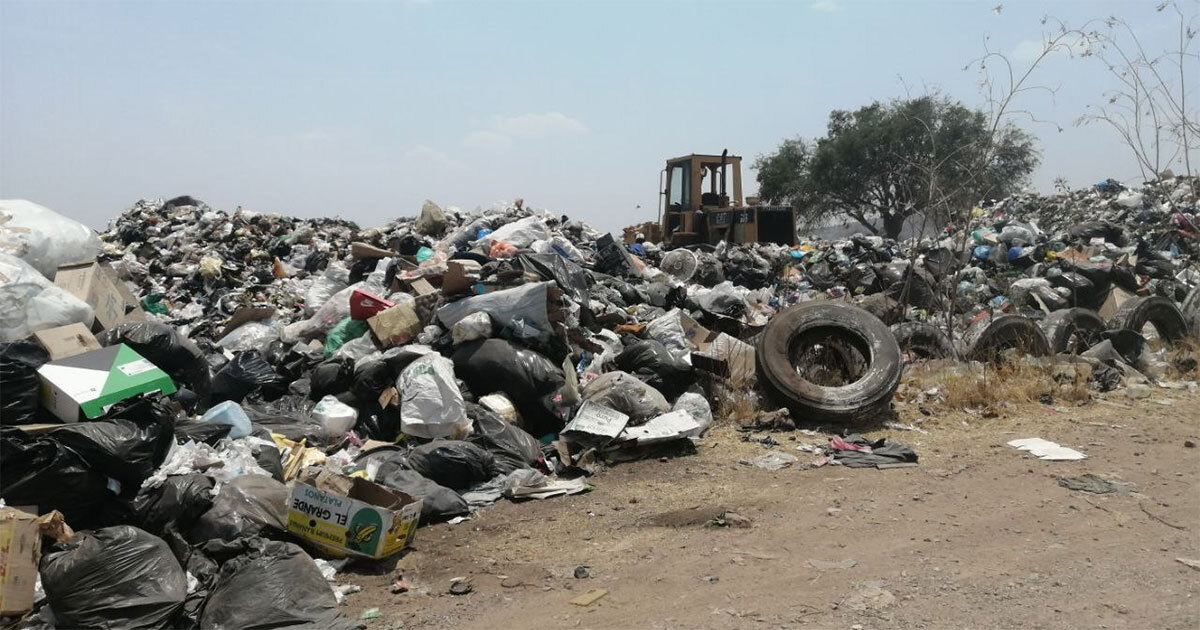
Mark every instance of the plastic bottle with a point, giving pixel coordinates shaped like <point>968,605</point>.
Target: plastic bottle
<point>232,414</point>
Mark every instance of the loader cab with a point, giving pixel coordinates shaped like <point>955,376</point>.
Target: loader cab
<point>701,202</point>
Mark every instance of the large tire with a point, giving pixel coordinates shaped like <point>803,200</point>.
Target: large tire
<point>1191,310</point>
<point>1072,330</point>
<point>1156,310</point>
<point>987,338</point>
<point>924,340</point>
<point>786,335</point>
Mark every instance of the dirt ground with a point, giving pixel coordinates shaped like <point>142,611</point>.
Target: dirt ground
<point>979,535</point>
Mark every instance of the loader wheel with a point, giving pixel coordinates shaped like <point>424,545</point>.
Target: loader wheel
<point>1155,310</point>
<point>1072,330</point>
<point>925,341</point>
<point>988,339</point>
<point>831,362</point>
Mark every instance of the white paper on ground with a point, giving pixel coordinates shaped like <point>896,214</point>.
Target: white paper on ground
<point>1045,449</point>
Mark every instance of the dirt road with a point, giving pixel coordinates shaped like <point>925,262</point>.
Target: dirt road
<point>980,535</point>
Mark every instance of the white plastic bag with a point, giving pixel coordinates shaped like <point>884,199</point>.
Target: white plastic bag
<point>521,233</point>
<point>697,407</point>
<point>431,405</point>
<point>29,302</point>
<point>250,336</point>
<point>668,330</point>
<point>325,286</point>
<point>44,238</point>
<point>471,327</point>
<point>336,416</point>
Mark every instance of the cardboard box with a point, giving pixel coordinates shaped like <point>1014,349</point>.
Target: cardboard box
<point>396,325</point>
<point>343,515</point>
<point>66,341</point>
<point>20,550</point>
<point>461,277</point>
<point>86,385</point>
<point>727,357</point>
<point>96,285</point>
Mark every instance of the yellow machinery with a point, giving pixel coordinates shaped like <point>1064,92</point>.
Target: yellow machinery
<point>690,214</point>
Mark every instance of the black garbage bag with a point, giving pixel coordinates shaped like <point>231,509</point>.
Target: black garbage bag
<point>455,464</point>
<point>511,445</point>
<point>438,502</point>
<point>570,277</point>
<point>207,432</point>
<point>371,378</point>
<point>116,577</point>
<point>526,377</point>
<point>166,348</point>
<point>248,372</point>
<point>289,416</point>
<point>269,459</point>
<point>651,362</point>
<point>376,423</point>
<point>331,378</point>
<point>250,505</point>
<point>19,363</point>
<point>181,499</point>
<point>709,271</point>
<point>38,470</point>
<point>272,585</point>
<point>128,447</point>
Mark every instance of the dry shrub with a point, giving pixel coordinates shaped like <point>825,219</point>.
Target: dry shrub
<point>1184,358</point>
<point>974,387</point>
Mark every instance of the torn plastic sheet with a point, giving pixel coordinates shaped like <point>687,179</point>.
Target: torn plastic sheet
<point>228,460</point>
<point>528,483</point>
<point>1045,449</point>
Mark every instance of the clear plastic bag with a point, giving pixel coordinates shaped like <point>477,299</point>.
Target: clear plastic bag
<point>432,405</point>
<point>44,238</point>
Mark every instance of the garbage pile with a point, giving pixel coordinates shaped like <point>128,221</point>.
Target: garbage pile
<point>217,398</point>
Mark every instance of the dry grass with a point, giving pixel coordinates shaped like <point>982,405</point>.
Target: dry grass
<point>1184,359</point>
<point>965,387</point>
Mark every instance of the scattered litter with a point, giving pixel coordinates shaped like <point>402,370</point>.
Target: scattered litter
<point>590,597</point>
<point>1044,449</point>
<point>773,460</point>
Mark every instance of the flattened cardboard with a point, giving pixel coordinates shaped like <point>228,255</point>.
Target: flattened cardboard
<point>342,515</point>
<point>66,341</point>
<point>86,385</point>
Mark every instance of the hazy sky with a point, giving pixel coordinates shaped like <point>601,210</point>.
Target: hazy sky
<point>364,109</point>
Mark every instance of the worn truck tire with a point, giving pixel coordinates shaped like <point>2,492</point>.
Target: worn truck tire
<point>1156,310</point>
<point>1072,330</point>
<point>987,338</point>
<point>797,330</point>
<point>924,340</point>
<point>1191,310</point>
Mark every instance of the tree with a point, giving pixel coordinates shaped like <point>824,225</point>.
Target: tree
<point>876,165</point>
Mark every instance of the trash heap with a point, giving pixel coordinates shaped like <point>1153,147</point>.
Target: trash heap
<point>217,398</point>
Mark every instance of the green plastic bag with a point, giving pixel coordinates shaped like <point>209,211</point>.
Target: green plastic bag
<point>344,331</point>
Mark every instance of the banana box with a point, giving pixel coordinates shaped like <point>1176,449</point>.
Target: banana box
<point>342,515</point>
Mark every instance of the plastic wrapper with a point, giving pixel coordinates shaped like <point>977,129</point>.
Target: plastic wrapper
<point>431,405</point>
<point>29,302</point>
<point>44,238</point>
<point>250,336</point>
<point>116,577</point>
<point>628,395</point>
